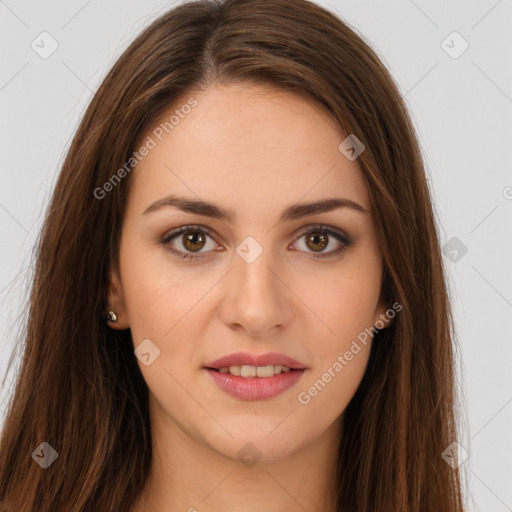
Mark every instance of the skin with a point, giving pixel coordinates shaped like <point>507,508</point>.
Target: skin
<point>256,150</point>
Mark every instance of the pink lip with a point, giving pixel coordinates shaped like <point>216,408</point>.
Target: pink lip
<point>255,388</point>
<point>246,358</point>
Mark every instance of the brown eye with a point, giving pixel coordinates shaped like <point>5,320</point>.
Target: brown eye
<point>189,242</point>
<point>317,241</point>
<point>193,240</point>
<point>323,242</point>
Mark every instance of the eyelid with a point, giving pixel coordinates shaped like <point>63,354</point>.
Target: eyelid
<point>182,229</point>
<point>323,227</point>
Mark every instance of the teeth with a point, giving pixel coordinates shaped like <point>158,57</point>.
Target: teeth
<point>255,371</point>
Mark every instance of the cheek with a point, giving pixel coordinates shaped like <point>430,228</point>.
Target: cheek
<point>341,354</point>
<point>346,304</point>
<point>326,394</point>
<point>352,313</point>
<point>341,348</point>
<point>165,304</point>
<point>155,297</point>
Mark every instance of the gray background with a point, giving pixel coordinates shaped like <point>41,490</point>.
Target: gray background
<point>462,108</point>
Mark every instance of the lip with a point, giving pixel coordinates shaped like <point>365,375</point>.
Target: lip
<point>255,388</point>
<point>246,358</point>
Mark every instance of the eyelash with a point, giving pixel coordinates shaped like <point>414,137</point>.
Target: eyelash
<point>339,235</point>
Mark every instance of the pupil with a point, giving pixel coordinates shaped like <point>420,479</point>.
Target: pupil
<point>193,239</point>
<point>322,242</point>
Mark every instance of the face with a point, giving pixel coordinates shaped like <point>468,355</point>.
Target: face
<point>269,277</point>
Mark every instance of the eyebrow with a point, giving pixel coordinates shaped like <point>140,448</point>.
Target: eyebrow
<point>293,212</point>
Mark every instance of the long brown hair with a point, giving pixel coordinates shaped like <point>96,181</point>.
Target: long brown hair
<point>79,388</point>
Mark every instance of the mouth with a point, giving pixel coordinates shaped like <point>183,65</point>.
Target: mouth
<point>249,376</point>
<point>250,383</point>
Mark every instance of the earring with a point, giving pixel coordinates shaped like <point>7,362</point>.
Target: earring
<point>111,317</point>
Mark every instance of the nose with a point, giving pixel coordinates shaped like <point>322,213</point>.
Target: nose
<point>257,298</point>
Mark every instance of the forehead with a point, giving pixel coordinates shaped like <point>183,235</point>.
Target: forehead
<point>249,147</point>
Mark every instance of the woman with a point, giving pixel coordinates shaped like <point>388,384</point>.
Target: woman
<point>239,298</point>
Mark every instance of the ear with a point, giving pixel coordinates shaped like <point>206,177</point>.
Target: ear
<point>116,302</point>
<point>384,315</point>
